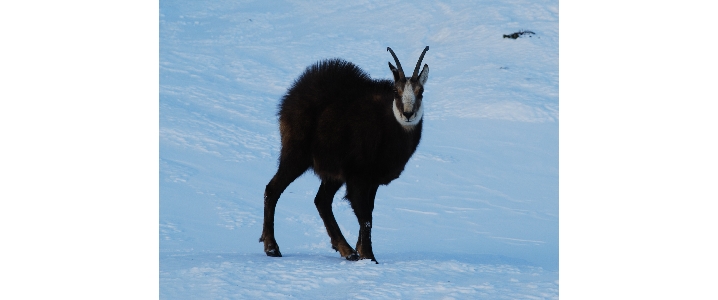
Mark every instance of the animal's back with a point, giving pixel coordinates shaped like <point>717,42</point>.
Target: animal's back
<point>321,84</point>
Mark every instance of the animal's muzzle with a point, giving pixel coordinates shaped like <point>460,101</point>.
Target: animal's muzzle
<point>408,115</point>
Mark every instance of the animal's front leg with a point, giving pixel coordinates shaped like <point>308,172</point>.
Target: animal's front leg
<point>362,200</point>
<point>364,241</point>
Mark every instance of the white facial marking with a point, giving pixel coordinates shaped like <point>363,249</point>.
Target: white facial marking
<point>408,100</point>
<point>408,97</point>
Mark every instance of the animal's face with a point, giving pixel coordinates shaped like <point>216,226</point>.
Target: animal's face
<point>408,93</point>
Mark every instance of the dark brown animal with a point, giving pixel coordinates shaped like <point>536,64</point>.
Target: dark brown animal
<point>350,129</point>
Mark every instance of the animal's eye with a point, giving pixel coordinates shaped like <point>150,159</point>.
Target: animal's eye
<point>396,93</point>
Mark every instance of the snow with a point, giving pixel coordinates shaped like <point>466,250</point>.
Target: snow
<point>475,213</point>
<point>254,276</point>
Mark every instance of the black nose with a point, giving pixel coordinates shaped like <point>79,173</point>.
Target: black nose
<point>408,114</point>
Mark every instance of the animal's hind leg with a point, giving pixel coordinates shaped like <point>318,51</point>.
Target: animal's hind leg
<point>286,173</point>
<point>323,201</point>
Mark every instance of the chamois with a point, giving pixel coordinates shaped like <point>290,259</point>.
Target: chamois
<point>349,129</point>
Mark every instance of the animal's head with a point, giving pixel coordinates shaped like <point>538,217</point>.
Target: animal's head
<point>408,93</point>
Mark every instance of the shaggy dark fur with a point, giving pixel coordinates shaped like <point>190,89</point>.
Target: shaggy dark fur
<point>339,122</point>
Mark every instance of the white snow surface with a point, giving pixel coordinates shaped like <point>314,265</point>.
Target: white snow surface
<point>474,215</point>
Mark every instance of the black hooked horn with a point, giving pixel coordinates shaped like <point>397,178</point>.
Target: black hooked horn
<point>396,60</point>
<point>418,64</point>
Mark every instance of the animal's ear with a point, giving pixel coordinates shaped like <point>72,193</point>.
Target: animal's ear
<point>424,74</point>
<point>391,67</point>
<point>396,72</point>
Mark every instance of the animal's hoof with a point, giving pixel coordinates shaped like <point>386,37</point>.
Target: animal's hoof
<point>273,253</point>
<point>372,259</point>
<point>352,257</point>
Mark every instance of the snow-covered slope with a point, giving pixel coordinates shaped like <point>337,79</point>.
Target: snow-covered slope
<point>475,213</point>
